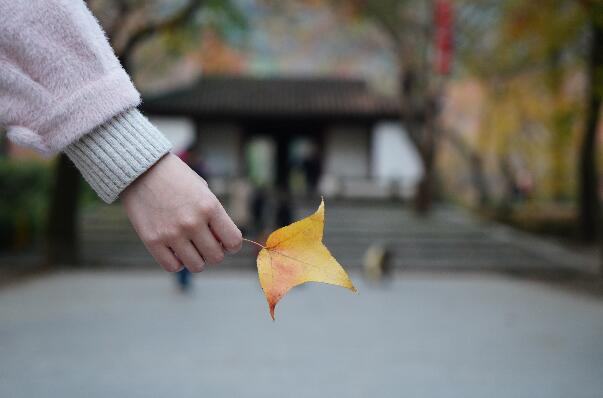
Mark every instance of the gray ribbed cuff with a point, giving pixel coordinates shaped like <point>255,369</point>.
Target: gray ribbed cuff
<point>114,154</point>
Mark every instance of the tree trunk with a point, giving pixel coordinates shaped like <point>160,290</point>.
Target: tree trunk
<point>560,129</point>
<point>3,144</point>
<point>476,167</point>
<point>283,166</point>
<point>425,188</point>
<point>62,218</point>
<point>588,179</point>
<point>558,152</point>
<point>480,183</point>
<point>62,242</point>
<point>505,207</point>
<point>419,114</point>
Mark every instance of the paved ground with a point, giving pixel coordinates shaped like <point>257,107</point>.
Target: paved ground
<point>130,334</point>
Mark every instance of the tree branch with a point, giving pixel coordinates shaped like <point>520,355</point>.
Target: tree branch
<point>123,12</point>
<point>151,29</point>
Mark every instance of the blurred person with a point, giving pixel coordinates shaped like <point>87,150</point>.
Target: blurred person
<point>525,185</point>
<point>258,204</point>
<point>240,198</point>
<point>284,212</point>
<point>377,265</point>
<point>63,90</point>
<point>194,160</point>
<point>312,171</point>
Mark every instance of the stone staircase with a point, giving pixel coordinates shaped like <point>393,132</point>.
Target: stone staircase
<point>447,240</point>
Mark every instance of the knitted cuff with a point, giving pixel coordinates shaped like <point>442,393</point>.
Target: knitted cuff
<point>114,154</point>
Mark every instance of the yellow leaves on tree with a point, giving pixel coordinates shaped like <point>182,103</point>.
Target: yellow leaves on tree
<point>294,255</point>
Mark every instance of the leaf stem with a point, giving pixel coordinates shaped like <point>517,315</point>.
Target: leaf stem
<point>254,242</point>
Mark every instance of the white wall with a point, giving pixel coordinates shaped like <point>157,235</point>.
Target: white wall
<point>180,131</point>
<point>394,156</point>
<point>346,152</point>
<point>219,144</point>
<point>392,169</point>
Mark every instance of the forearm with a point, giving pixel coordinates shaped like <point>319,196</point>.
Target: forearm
<point>63,89</point>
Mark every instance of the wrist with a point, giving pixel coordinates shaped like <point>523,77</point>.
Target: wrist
<point>115,154</point>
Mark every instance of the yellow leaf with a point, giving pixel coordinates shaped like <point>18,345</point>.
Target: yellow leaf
<point>294,255</point>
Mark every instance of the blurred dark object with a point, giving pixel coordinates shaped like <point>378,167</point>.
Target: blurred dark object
<point>259,204</point>
<point>194,160</point>
<point>378,263</point>
<point>62,237</point>
<point>283,163</point>
<point>284,211</point>
<point>3,143</point>
<point>312,172</point>
<point>588,179</point>
<point>24,189</point>
<point>183,278</point>
<point>198,165</point>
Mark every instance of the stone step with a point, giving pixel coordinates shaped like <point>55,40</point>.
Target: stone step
<point>446,240</point>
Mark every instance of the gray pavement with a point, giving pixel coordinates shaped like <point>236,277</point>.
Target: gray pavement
<point>131,334</point>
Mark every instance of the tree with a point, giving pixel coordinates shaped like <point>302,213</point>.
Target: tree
<point>546,41</point>
<point>409,27</point>
<point>588,178</point>
<point>62,243</point>
<point>128,24</point>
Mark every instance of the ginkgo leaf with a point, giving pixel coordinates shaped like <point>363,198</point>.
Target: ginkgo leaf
<point>294,255</point>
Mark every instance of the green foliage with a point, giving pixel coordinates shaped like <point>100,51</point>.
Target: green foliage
<point>223,17</point>
<point>528,58</point>
<point>24,189</point>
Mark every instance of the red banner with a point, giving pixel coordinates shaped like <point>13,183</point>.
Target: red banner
<point>444,36</point>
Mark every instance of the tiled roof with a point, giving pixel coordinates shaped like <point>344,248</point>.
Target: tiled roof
<point>273,97</point>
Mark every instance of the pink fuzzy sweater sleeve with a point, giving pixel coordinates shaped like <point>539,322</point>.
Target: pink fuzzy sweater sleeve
<point>63,89</point>
<point>59,77</point>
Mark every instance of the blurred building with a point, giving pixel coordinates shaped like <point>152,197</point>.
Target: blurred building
<point>343,137</point>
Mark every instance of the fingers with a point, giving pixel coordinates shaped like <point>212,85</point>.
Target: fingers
<point>178,218</point>
<point>208,246</point>
<point>165,257</point>
<point>226,231</point>
<point>193,240</point>
<point>188,254</point>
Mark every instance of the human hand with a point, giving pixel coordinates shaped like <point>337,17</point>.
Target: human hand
<point>180,221</point>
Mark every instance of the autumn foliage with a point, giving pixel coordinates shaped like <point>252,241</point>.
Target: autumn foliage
<point>294,255</point>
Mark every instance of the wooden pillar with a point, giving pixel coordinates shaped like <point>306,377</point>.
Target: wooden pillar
<point>282,162</point>
<point>370,146</point>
